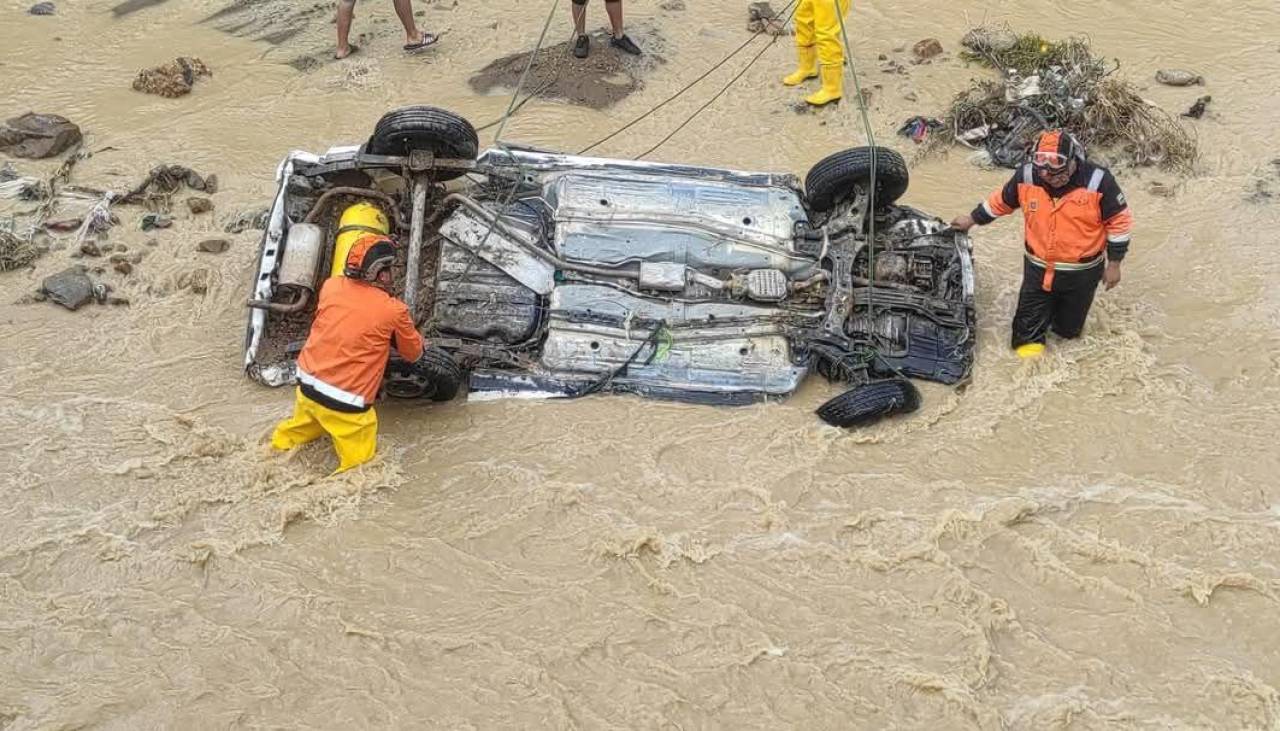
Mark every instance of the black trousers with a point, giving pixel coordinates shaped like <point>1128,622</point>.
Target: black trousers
<point>1062,310</point>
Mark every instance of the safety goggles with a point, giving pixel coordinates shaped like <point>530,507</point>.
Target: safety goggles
<point>1052,161</point>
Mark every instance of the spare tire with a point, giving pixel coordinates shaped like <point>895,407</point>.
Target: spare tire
<point>834,177</point>
<point>443,133</point>
<point>870,402</point>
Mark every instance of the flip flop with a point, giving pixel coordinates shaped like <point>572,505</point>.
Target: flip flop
<point>428,39</point>
<point>350,53</point>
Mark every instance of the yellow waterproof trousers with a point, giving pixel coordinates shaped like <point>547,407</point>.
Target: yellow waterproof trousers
<point>818,24</point>
<point>355,436</point>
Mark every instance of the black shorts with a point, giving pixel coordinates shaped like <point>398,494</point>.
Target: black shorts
<point>1063,310</point>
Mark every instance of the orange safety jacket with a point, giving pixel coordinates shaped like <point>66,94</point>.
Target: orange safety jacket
<point>343,361</point>
<point>1067,228</point>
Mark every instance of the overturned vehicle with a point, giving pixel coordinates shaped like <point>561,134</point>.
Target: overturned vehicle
<point>537,274</point>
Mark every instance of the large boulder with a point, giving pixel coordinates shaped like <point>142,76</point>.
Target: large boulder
<point>70,288</point>
<point>38,136</point>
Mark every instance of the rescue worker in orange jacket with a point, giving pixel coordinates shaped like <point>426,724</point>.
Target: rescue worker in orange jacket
<point>1077,233</point>
<point>342,363</point>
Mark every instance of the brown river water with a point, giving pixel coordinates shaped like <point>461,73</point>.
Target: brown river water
<point>1087,541</point>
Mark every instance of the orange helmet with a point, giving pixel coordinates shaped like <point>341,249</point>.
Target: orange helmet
<point>369,256</point>
<point>1055,148</point>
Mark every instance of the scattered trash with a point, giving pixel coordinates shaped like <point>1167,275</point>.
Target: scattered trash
<point>927,49</point>
<point>173,79</point>
<point>213,246</point>
<point>157,189</point>
<point>156,220</point>
<point>1049,84</point>
<point>762,18</point>
<point>15,252</point>
<point>45,8</point>
<point>70,288</point>
<point>98,219</point>
<point>1197,110</point>
<point>1179,77</point>
<point>918,128</point>
<point>38,136</point>
<point>249,219</point>
<point>1160,190</point>
<point>199,205</point>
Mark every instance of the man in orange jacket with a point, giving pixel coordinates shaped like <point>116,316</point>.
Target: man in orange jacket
<point>1077,233</point>
<point>342,363</point>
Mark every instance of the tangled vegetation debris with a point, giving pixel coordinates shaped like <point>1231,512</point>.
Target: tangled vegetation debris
<point>1048,84</point>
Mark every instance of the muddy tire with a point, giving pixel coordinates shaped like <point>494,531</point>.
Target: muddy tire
<point>443,371</point>
<point>436,376</point>
<point>870,402</point>
<point>441,132</point>
<point>833,179</point>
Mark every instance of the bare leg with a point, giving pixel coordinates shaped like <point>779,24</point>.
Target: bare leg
<point>579,18</point>
<point>614,9</point>
<point>346,11</point>
<point>404,9</point>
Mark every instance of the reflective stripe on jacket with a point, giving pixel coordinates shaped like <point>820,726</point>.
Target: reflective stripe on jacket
<point>346,353</point>
<point>1072,228</point>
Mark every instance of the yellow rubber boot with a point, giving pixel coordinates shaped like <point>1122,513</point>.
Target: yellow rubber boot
<point>1030,350</point>
<point>832,86</point>
<point>806,66</point>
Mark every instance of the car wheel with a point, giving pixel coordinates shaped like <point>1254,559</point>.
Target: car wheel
<point>833,179</point>
<point>869,402</point>
<point>441,132</point>
<point>436,376</point>
<point>443,372</point>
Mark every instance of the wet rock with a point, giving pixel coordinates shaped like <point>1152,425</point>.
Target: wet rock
<point>90,248</point>
<point>213,246</point>
<point>70,288</point>
<point>986,40</point>
<point>38,136</point>
<point>123,267</point>
<point>1197,110</point>
<point>927,49</point>
<point>1179,77</point>
<point>199,205</point>
<point>195,181</point>
<point>173,79</point>
<point>134,258</point>
<point>211,184</point>
<point>45,8</point>
<point>63,226</point>
<point>156,220</point>
<point>762,18</point>
<point>249,219</point>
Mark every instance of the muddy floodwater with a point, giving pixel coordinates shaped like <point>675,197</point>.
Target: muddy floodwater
<point>1087,541</point>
